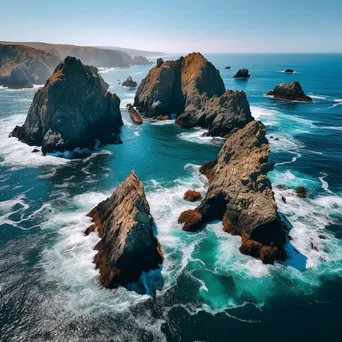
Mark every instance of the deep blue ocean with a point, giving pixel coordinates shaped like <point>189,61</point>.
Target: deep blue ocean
<point>49,289</point>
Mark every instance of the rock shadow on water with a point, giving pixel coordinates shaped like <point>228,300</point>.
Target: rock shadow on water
<point>294,258</point>
<point>148,284</point>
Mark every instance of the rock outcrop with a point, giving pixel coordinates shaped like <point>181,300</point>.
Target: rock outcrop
<point>128,245</point>
<point>192,196</point>
<point>134,115</point>
<point>289,91</point>
<point>23,66</point>
<point>227,67</point>
<point>73,109</point>
<point>140,60</point>
<point>129,82</point>
<point>192,88</point>
<point>242,74</point>
<point>301,192</point>
<point>289,71</point>
<point>240,195</point>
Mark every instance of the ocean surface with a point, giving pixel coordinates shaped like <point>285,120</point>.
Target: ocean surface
<point>49,289</point>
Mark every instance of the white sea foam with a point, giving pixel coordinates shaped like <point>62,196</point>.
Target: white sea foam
<point>197,136</point>
<point>17,153</point>
<point>163,122</point>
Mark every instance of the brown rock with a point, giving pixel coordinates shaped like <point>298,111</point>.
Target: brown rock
<point>289,91</point>
<point>301,192</point>
<point>192,196</point>
<point>192,88</point>
<point>128,245</point>
<point>90,229</point>
<point>191,218</point>
<point>241,195</point>
<point>134,115</point>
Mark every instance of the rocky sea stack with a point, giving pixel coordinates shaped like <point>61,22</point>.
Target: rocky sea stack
<point>128,246</point>
<point>129,82</point>
<point>242,74</point>
<point>73,109</point>
<point>240,194</point>
<point>193,89</point>
<point>289,91</point>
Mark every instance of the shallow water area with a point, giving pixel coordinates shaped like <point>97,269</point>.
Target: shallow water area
<point>49,287</point>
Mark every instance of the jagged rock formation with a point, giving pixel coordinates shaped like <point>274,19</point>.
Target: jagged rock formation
<point>128,245</point>
<point>73,109</point>
<point>242,74</point>
<point>192,88</point>
<point>289,91</point>
<point>129,82</point>
<point>22,66</point>
<point>134,115</point>
<point>240,195</point>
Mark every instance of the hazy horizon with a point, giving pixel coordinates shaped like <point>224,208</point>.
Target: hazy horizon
<point>215,27</point>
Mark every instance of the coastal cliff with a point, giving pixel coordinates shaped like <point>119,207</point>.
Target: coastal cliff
<point>23,66</point>
<point>240,194</point>
<point>192,88</point>
<point>73,109</point>
<point>128,246</point>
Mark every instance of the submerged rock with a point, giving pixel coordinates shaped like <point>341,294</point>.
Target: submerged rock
<point>134,115</point>
<point>192,196</point>
<point>128,246</point>
<point>129,82</point>
<point>192,88</point>
<point>242,74</point>
<point>289,71</point>
<point>289,91</point>
<point>227,67</point>
<point>73,109</point>
<point>240,194</point>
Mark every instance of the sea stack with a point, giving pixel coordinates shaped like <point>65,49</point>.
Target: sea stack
<point>73,109</point>
<point>129,82</point>
<point>134,115</point>
<point>242,74</point>
<point>289,91</point>
<point>193,89</point>
<point>128,246</point>
<point>240,194</point>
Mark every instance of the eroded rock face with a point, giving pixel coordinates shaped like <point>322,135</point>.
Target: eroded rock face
<point>289,91</point>
<point>128,245</point>
<point>73,109</point>
<point>240,195</point>
<point>242,74</point>
<point>192,88</point>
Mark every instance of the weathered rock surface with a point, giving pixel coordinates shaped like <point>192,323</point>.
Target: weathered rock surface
<point>129,82</point>
<point>23,66</point>
<point>192,88</point>
<point>134,115</point>
<point>73,109</point>
<point>128,245</point>
<point>192,196</point>
<point>242,74</point>
<point>289,91</point>
<point>240,195</point>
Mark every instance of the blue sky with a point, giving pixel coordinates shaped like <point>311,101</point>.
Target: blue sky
<point>179,25</point>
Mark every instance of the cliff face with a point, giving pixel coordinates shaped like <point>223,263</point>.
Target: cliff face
<point>22,66</point>
<point>73,109</point>
<point>128,245</point>
<point>240,194</point>
<point>192,88</point>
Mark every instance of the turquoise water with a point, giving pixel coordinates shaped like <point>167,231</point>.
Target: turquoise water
<point>48,285</point>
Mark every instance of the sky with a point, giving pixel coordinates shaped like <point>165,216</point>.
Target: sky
<point>216,26</point>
